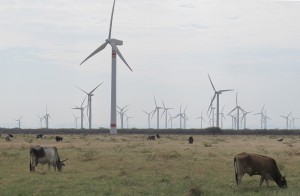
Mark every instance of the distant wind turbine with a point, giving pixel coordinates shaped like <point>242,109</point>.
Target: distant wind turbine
<point>89,106</point>
<point>237,108</point>
<point>19,122</point>
<point>261,117</point>
<point>75,118</point>
<point>166,114</point>
<point>293,121</point>
<point>81,108</point>
<point>201,118</point>
<point>266,118</point>
<point>41,118</point>
<point>127,121</point>
<point>46,117</point>
<point>156,110</point>
<point>244,118</point>
<point>115,51</point>
<point>217,93</point>
<point>287,120</point>
<point>148,117</point>
<point>122,113</point>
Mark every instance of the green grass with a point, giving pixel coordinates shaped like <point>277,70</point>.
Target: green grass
<point>133,165</point>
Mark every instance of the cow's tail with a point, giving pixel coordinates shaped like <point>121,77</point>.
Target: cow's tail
<point>235,164</point>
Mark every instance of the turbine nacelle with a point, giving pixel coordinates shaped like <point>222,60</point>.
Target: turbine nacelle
<point>115,41</point>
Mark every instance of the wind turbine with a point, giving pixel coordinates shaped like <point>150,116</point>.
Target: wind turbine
<point>157,108</point>
<point>222,117</point>
<point>201,118</point>
<point>293,121</point>
<point>127,120</point>
<point>266,118</point>
<point>166,114</point>
<point>41,120</point>
<point>261,116</point>
<point>46,117</point>
<point>149,116</point>
<point>212,116</point>
<point>115,51</point>
<point>75,118</point>
<point>233,121</point>
<point>217,93</point>
<point>237,108</point>
<point>171,119</point>
<point>81,108</point>
<point>122,113</point>
<point>287,120</point>
<point>244,118</point>
<point>89,105</point>
<point>181,115</point>
<point>19,122</point>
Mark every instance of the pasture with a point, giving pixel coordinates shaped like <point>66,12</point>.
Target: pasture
<point>132,165</point>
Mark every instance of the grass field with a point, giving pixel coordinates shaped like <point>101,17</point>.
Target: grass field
<point>132,165</point>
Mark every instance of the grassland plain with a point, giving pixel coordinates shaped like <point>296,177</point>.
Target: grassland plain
<point>132,165</point>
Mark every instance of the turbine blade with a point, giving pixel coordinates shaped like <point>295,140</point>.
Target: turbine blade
<point>211,102</point>
<point>115,48</point>
<point>95,88</point>
<point>236,102</point>
<point>83,101</point>
<point>95,52</point>
<point>232,110</point>
<point>211,83</point>
<point>111,19</point>
<point>221,91</point>
<point>82,90</point>
<point>153,113</point>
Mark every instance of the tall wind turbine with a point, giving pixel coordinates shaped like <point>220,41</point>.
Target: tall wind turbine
<point>81,108</point>
<point>237,108</point>
<point>287,120</point>
<point>113,43</point>
<point>217,93</point>
<point>148,116</point>
<point>201,118</point>
<point>122,113</point>
<point>89,109</point>
<point>157,108</point>
<point>166,114</point>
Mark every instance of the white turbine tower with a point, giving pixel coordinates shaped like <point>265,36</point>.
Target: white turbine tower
<point>81,108</point>
<point>113,43</point>
<point>148,117</point>
<point>201,118</point>
<point>122,113</point>
<point>166,114</point>
<point>157,108</point>
<point>217,93</point>
<point>237,108</point>
<point>89,109</point>
<point>287,120</point>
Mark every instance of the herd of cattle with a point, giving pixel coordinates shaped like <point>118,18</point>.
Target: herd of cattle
<point>244,163</point>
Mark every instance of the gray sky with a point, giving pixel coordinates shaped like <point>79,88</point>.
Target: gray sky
<point>250,46</point>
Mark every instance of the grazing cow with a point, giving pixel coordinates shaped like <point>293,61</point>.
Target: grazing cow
<point>280,140</point>
<point>58,138</point>
<point>254,164</point>
<point>157,135</point>
<point>191,140</point>
<point>151,137</point>
<point>10,135</point>
<point>7,138</point>
<point>39,136</point>
<point>43,155</point>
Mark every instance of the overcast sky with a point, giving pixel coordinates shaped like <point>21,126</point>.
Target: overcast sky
<point>252,47</point>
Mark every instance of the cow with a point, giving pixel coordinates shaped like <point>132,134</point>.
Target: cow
<point>39,136</point>
<point>58,138</point>
<point>151,137</point>
<point>43,155</point>
<point>7,138</point>
<point>157,135</point>
<point>191,140</point>
<point>254,164</point>
<point>10,135</point>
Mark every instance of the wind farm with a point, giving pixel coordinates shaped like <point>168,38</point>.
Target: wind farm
<point>149,97</point>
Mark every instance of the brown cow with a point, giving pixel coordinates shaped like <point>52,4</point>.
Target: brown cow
<point>254,164</point>
<point>191,140</point>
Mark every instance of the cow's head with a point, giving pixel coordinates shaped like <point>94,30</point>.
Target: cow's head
<point>282,183</point>
<point>60,164</point>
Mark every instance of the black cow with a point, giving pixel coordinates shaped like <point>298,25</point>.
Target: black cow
<point>58,138</point>
<point>157,135</point>
<point>10,135</point>
<point>39,136</point>
<point>151,137</point>
<point>191,140</point>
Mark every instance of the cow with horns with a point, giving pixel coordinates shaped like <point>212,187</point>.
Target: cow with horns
<point>254,164</point>
<point>45,155</point>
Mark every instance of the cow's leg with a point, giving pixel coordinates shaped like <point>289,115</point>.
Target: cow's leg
<point>261,180</point>
<point>49,166</point>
